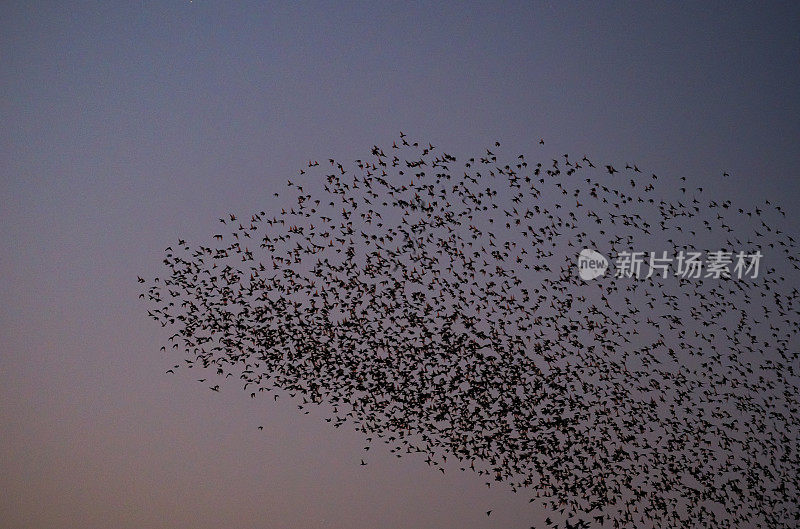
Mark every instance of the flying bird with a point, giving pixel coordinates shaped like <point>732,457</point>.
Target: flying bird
<point>434,303</point>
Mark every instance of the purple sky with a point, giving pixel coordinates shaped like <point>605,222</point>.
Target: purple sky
<point>127,124</point>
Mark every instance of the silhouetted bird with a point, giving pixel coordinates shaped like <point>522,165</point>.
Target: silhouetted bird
<point>437,306</point>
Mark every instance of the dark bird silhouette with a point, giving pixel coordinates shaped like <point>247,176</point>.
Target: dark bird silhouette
<point>435,304</point>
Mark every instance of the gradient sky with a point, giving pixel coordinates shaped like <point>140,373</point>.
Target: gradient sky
<point>127,124</point>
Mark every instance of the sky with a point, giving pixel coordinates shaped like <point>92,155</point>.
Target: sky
<point>128,124</point>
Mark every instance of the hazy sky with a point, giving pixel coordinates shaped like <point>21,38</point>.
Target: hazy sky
<point>127,124</point>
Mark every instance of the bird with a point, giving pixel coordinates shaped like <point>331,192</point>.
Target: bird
<point>434,303</point>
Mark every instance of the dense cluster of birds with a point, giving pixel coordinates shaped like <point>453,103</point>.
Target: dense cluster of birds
<point>436,305</point>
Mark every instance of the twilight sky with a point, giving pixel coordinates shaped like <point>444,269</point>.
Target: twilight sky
<point>128,124</point>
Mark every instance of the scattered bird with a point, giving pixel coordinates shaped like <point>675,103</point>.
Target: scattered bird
<point>436,305</point>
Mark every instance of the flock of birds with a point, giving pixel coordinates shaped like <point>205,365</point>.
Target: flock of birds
<point>435,305</point>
